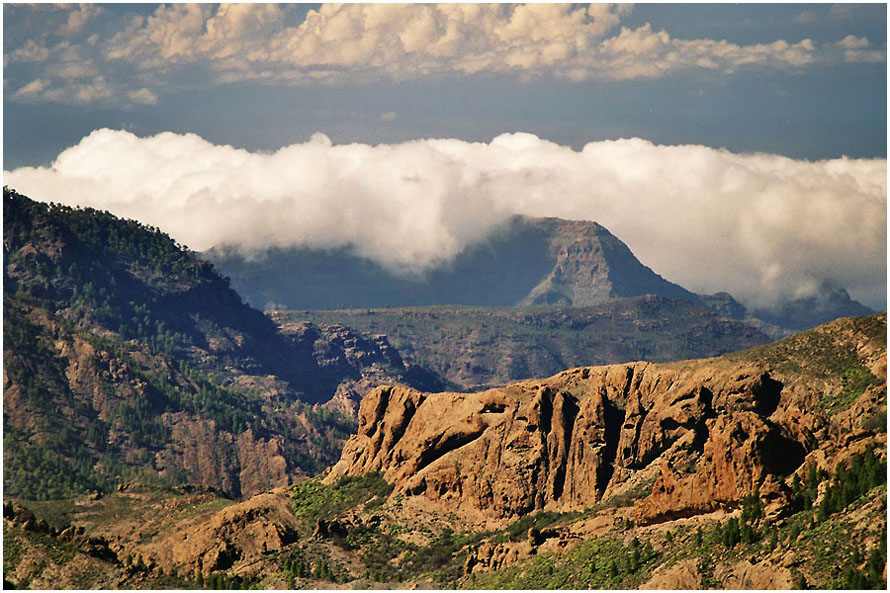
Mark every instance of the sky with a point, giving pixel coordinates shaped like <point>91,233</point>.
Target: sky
<point>734,147</point>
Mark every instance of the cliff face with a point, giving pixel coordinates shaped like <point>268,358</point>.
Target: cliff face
<point>698,436</point>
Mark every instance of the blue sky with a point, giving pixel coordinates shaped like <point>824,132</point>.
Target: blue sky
<point>827,107</point>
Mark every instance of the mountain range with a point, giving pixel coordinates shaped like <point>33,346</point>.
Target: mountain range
<point>523,262</point>
<point>159,432</point>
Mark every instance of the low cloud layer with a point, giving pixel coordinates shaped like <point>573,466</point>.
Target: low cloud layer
<point>760,226</point>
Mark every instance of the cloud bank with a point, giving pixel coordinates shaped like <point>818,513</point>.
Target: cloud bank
<point>350,44</point>
<point>760,226</point>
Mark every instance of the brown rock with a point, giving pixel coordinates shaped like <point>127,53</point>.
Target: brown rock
<point>563,443</point>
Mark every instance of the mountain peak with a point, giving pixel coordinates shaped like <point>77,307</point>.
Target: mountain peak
<point>593,266</point>
<point>829,301</point>
<point>525,261</point>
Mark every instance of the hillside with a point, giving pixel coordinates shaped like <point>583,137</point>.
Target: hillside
<point>473,346</point>
<point>528,261</point>
<point>128,357</point>
<point>764,468</point>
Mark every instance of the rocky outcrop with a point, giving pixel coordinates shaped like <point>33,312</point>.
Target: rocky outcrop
<point>242,464</point>
<point>565,442</point>
<point>238,534</point>
<point>351,363</point>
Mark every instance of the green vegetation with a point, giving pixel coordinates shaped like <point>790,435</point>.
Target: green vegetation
<point>876,422</point>
<point>601,563</point>
<point>151,330</point>
<point>851,481</point>
<point>826,354</point>
<point>854,381</point>
<point>313,500</point>
<point>871,575</point>
<point>518,530</point>
<point>743,529</point>
<point>222,581</point>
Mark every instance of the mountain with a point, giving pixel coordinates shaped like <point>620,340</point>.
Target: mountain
<point>128,357</point>
<point>830,301</point>
<point>764,468</point>
<point>527,261</point>
<point>475,346</point>
<point>524,262</point>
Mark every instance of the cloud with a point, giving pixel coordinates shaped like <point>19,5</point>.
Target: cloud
<point>35,87</point>
<point>354,44</point>
<point>77,19</point>
<point>806,17</point>
<point>31,51</point>
<point>856,49</point>
<point>143,96</point>
<point>758,225</point>
<point>76,91</point>
<point>852,42</point>
<point>339,43</point>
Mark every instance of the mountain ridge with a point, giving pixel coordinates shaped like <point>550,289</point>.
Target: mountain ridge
<point>128,357</point>
<point>525,261</point>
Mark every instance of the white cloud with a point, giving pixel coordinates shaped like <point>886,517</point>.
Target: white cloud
<point>31,51</point>
<point>143,96</point>
<point>76,91</point>
<point>35,87</point>
<point>360,41</point>
<point>758,225</point>
<point>78,18</point>
<point>856,49</point>
<point>73,69</point>
<point>853,42</point>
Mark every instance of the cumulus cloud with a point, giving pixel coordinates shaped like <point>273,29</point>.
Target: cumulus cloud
<point>352,44</point>
<point>340,43</point>
<point>857,49</point>
<point>758,225</point>
<point>78,18</point>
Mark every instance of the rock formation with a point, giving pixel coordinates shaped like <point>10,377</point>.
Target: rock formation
<point>704,433</point>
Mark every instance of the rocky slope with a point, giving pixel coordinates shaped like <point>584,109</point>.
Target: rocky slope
<point>473,346</point>
<point>526,261</point>
<point>764,468</point>
<point>124,355</point>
